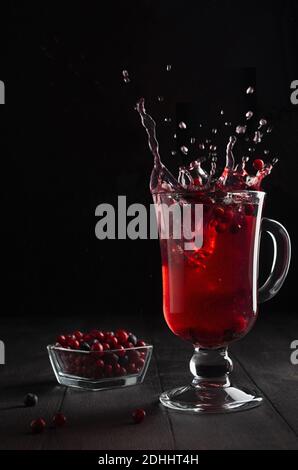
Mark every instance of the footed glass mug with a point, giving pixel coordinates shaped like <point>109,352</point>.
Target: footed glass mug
<point>210,292</point>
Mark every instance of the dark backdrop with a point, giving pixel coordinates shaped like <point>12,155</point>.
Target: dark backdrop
<point>75,140</point>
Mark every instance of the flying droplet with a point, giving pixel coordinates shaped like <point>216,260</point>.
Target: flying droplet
<point>269,130</point>
<point>228,124</point>
<point>249,114</point>
<point>200,125</point>
<point>214,131</point>
<point>250,90</point>
<point>257,137</point>
<point>175,136</point>
<point>212,148</point>
<point>274,161</point>
<point>266,152</point>
<point>208,141</point>
<point>184,149</point>
<point>126,79</point>
<point>125,73</point>
<point>201,146</point>
<point>262,122</point>
<point>173,152</point>
<point>160,98</point>
<point>168,120</point>
<point>222,112</point>
<point>192,140</point>
<point>251,149</point>
<point>182,125</point>
<point>169,67</point>
<point>240,129</point>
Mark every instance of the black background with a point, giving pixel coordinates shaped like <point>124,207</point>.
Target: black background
<point>75,140</point>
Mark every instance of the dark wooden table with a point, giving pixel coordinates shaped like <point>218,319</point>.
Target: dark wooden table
<point>101,420</point>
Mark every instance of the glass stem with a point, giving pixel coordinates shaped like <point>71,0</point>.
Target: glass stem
<point>211,368</point>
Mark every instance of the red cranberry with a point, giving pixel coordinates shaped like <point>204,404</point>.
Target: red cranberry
<point>220,228</point>
<point>138,415</point>
<point>59,419</point>
<point>129,345</point>
<point>38,425</point>
<point>62,340</point>
<point>98,334</point>
<point>100,363</point>
<point>113,342</point>
<point>108,370</point>
<point>87,337</point>
<point>121,351</point>
<point>218,212</point>
<point>141,343</point>
<point>79,335</point>
<point>249,209</point>
<point>117,369</point>
<point>140,363</point>
<point>74,344</point>
<point>122,336</point>
<point>122,371</point>
<point>133,355</point>
<point>106,346</point>
<point>131,368</point>
<point>258,164</point>
<point>98,347</point>
<point>109,335</point>
<point>228,215</point>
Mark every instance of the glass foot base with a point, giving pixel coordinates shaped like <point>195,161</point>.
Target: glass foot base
<point>210,400</point>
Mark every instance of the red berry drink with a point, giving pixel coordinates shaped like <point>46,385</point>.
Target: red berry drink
<point>208,292</point>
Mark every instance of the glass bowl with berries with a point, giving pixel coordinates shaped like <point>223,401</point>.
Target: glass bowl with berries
<point>99,359</point>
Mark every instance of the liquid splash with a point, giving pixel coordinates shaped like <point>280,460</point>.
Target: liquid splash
<point>193,177</point>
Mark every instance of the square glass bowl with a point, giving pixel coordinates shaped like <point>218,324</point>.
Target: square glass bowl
<point>93,370</point>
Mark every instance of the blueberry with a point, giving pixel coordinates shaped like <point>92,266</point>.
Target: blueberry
<point>132,339</point>
<point>124,361</point>
<point>30,399</point>
<point>110,358</point>
<point>85,347</point>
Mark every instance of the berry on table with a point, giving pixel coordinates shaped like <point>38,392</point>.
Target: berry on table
<point>258,164</point>
<point>38,425</point>
<point>138,415</point>
<point>59,419</point>
<point>30,399</point>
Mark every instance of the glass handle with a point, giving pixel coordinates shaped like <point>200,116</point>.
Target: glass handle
<point>281,259</point>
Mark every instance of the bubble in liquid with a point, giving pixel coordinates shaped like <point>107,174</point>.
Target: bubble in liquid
<point>169,67</point>
<point>214,131</point>
<point>228,124</point>
<point>173,152</point>
<point>201,146</point>
<point>160,98</point>
<point>167,120</point>
<point>262,122</point>
<point>249,114</point>
<point>192,140</point>
<point>250,90</point>
<point>182,125</point>
<point>184,149</point>
<point>266,152</point>
<point>240,129</point>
